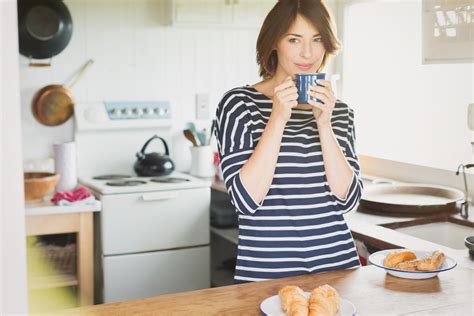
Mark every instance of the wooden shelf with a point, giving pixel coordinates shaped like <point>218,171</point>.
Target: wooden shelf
<point>52,281</point>
<point>80,223</point>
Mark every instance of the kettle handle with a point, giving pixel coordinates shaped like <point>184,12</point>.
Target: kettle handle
<point>148,141</point>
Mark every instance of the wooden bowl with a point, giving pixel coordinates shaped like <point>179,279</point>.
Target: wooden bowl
<point>38,185</point>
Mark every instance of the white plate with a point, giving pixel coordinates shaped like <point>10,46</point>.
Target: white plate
<point>272,306</point>
<point>378,257</point>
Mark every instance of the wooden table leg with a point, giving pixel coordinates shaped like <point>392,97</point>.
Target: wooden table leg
<point>85,262</point>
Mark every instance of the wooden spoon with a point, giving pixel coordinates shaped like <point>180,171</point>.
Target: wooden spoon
<point>190,136</point>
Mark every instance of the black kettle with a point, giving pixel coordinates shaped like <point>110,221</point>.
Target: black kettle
<point>153,164</point>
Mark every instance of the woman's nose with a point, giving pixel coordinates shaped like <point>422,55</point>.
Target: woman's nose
<point>306,51</point>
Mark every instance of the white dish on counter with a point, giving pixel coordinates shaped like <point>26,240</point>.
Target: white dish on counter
<point>378,257</point>
<point>272,306</point>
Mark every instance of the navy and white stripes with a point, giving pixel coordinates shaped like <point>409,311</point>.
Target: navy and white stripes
<point>299,226</point>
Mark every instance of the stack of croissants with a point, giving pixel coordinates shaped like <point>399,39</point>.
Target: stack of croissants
<point>406,260</point>
<point>323,301</point>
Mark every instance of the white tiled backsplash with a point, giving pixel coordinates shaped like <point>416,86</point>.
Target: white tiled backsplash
<point>138,58</point>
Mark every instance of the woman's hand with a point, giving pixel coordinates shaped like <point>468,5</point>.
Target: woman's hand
<point>322,111</point>
<point>285,97</point>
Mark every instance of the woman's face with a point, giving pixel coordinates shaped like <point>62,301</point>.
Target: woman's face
<point>301,49</point>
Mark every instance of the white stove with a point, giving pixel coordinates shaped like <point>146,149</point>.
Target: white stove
<point>152,235</point>
<point>125,183</point>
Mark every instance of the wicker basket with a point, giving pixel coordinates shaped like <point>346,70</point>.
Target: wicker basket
<point>61,259</point>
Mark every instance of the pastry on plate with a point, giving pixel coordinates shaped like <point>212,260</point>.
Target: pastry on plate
<point>406,260</point>
<point>293,301</point>
<point>324,301</point>
<point>398,256</point>
<point>431,263</point>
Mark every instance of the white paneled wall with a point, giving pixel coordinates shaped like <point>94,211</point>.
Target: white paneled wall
<point>138,58</point>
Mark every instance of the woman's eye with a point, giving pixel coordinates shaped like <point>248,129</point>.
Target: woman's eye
<point>293,40</point>
<point>318,39</point>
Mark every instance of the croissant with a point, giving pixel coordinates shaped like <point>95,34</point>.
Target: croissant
<point>409,265</point>
<point>395,257</point>
<point>324,301</point>
<point>293,301</point>
<point>431,263</point>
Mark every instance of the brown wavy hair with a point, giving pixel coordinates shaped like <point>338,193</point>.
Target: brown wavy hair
<point>279,20</point>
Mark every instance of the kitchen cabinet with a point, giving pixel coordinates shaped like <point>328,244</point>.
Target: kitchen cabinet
<point>54,220</point>
<point>237,13</point>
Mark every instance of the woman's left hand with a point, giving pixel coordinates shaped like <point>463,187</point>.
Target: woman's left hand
<point>322,111</point>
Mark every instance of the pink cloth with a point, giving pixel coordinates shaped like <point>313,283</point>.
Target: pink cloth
<point>72,196</point>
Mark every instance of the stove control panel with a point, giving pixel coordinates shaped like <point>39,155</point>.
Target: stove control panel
<point>122,115</point>
<point>133,110</point>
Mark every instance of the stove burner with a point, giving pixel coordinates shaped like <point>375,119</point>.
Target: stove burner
<point>169,180</point>
<point>111,177</point>
<point>125,183</point>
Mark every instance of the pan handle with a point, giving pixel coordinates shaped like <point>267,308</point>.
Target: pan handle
<point>36,64</point>
<point>81,73</point>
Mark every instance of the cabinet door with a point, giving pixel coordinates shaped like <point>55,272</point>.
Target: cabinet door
<point>251,12</point>
<point>142,275</point>
<point>202,11</point>
<point>151,221</point>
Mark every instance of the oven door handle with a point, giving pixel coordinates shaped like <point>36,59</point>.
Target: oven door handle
<point>157,196</point>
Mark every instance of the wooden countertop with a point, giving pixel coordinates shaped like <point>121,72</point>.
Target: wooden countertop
<point>370,289</point>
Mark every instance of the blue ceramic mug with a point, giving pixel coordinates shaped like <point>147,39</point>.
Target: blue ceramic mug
<point>303,81</point>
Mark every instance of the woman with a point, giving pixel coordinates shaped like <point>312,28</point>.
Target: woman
<point>290,169</point>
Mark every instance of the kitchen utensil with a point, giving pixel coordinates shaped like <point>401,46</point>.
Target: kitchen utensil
<point>44,28</point>
<point>378,257</point>
<point>191,126</point>
<point>213,126</point>
<point>153,164</point>
<point>53,104</point>
<point>201,137</point>
<point>39,184</point>
<point>190,136</point>
<point>410,199</point>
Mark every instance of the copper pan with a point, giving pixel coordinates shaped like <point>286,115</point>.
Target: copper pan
<point>54,104</point>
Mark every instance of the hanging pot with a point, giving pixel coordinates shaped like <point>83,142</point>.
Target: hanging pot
<point>153,164</point>
<point>44,28</point>
<point>53,104</point>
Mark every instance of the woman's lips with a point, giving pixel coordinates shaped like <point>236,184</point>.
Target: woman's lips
<point>304,67</point>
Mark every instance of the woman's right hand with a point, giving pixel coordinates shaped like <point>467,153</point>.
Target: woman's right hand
<point>285,97</point>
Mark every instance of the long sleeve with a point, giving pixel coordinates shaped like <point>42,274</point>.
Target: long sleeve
<point>356,187</point>
<point>235,145</point>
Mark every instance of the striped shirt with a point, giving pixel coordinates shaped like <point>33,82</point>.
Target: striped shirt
<point>299,226</point>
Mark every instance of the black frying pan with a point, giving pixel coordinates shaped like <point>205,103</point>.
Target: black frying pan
<point>44,28</point>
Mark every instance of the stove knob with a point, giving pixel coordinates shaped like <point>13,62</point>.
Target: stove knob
<point>137,111</point>
<point>149,110</point>
<point>127,112</point>
<point>157,111</point>
<point>116,112</point>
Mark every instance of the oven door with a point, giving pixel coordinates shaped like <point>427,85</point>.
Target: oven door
<point>148,274</point>
<point>141,222</point>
